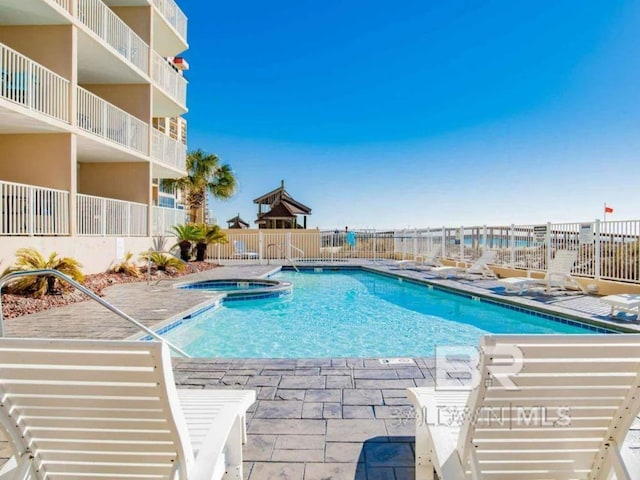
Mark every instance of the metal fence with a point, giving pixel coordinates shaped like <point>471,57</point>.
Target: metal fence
<point>98,216</point>
<point>102,21</point>
<point>33,86</point>
<point>606,250</point>
<point>101,118</point>
<point>164,218</point>
<point>29,210</point>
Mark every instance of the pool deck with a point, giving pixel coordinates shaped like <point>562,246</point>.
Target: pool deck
<point>315,418</point>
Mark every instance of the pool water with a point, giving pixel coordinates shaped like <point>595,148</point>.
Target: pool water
<point>351,314</point>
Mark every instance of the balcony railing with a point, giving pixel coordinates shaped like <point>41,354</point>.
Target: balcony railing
<point>29,210</point>
<point>105,120</point>
<point>102,21</point>
<point>164,218</point>
<point>98,216</point>
<point>172,14</point>
<point>168,79</point>
<point>63,3</point>
<point>168,151</point>
<point>28,83</point>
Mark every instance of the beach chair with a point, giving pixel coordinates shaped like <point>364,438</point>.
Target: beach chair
<point>110,409</point>
<point>424,260</point>
<point>557,276</point>
<point>573,400</point>
<point>240,250</point>
<point>624,302</point>
<point>477,268</point>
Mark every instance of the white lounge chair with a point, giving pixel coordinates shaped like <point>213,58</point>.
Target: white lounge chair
<point>624,302</point>
<point>241,251</point>
<point>574,400</point>
<point>558,275</point>
<point>424,260</point>
<point>479,267</point>
<point>106,409</point>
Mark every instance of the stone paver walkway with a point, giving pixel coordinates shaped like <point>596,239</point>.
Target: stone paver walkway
<point>338,419</point>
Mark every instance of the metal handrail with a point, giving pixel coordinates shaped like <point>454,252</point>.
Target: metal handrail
<point>284,255</point>
<point>13,275</point>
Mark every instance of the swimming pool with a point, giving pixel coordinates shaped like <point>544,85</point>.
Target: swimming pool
<point>351,313</point>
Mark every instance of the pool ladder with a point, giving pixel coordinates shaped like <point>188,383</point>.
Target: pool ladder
<point>284,255</point>
<point>55,273</point>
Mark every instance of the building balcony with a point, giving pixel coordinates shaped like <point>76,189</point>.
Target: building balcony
<point>40,12</point>
<point>170,28</point>
<point>28,84</point>
<point>170,98</point>
<point>31,210</point>
<point>168,152</point>
<point>100,55</point>
<point>102,119</point>
<point>164,218</point>
<point>99,216</point>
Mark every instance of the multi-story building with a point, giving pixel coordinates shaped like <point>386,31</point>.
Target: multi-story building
<point>91,99</point>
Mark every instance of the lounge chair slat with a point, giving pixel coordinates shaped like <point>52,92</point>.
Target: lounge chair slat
<point>39,374</point>
<point>599,408</point>
<point>102,409</point>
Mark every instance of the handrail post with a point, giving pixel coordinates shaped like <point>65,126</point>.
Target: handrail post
<point>461,235</point>
<point>549,245</point>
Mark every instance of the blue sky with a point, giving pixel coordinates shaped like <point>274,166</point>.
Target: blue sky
<point>421,113</point>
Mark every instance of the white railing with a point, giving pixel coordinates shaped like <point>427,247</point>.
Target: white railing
<point>29,210</point>
<point>173,15</point>
<point>164,218</point>
<point>102,21</point>
<point>63,3</point>
<point>168,151</point>
<point>168,79</point>
<point>101,118</point>
<point>98,216</point>
<point>28,83</point>
<point>606,250</point>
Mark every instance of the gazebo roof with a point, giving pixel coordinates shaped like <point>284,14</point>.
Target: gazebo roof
<point>280,195</point>
<point>238,220</point>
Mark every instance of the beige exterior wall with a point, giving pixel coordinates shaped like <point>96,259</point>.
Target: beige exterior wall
<point>49,45</point>
<point>94,253</point>
<point>43,160</point>
<point>138,19</point>
<point>133,99</point>
<point>121,181</point>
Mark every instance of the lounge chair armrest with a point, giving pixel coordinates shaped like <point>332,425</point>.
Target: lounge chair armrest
<point>214,443</point>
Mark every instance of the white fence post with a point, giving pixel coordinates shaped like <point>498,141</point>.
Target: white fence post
<point>288,244</point>
<point>260,247</point>
<point>375,245</point>
<point>104,216</point>
<point>444,242</point>
<point>597,252</point>
<point>461,235</point>
<point>484,238</point>
<point>549,245</point>
<point>415,243</point>
<point>512,246</point>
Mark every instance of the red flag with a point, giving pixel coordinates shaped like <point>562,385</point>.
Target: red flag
<point>608,209</point>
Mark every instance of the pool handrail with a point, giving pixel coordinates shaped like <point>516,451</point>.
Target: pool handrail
<point>27,273</point>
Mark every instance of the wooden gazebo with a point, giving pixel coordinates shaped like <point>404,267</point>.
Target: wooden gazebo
<point>283,210</point>
<point>237,222</point>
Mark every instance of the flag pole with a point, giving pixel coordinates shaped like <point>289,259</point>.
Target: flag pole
<point>605,211</point>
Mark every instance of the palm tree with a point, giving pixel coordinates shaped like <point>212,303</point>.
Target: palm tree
<point>205,174</point>
<point>30,259</point>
